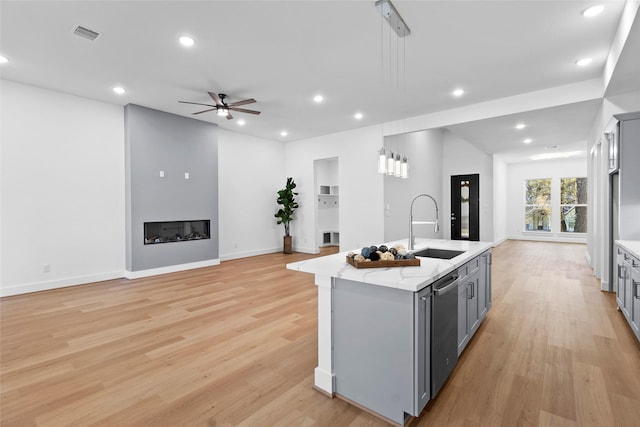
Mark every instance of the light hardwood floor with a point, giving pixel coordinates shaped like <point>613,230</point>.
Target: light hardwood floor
<point>235,345</point>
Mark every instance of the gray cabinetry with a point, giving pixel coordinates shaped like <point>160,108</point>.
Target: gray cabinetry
<point>422,341</point>
<point>627,288</point>
<point>381,347</point>
<point>474,297</point>
<point>635,303</point>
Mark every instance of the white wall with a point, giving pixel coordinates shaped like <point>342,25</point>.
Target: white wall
<point>424,154</point>
<point>462,158</point>
<point>517,173</point>
<point>62,189</point>
<point>361,199</point>
<point>251,171</point>
<point>499,200</point>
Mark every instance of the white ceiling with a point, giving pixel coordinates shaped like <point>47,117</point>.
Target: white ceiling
<point>282,53</point>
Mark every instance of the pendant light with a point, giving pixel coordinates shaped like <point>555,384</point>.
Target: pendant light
<point>404,168</point>
<point>382,161</point>
<point>391,163</point>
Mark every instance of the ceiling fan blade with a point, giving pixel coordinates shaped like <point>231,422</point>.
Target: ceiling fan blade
<point>246,101</point>
<point>205,111</point>
<point>196,103</point>
<point>244,110</point>
<point>229,116</point>
<point>216,98</point>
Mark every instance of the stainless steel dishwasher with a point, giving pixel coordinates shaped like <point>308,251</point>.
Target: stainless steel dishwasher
<point>444,330</point>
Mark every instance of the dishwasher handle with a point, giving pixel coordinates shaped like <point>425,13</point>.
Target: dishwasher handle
<point>447,288</point>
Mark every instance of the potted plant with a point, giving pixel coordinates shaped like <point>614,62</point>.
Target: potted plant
<point>286,198</point>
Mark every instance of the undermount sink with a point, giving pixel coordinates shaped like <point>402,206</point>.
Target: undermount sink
<point>438,253</point>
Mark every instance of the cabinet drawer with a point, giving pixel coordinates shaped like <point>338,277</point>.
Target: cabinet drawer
<point>469,268</point>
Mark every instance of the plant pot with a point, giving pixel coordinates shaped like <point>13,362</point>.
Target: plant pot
<point>286,245</point>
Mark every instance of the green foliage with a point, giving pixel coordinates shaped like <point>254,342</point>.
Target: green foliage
<point>286,198</point>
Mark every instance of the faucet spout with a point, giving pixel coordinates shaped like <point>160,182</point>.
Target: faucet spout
<point>412,238</point>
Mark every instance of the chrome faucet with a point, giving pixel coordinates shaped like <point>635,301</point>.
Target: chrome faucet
<point>412,238</point>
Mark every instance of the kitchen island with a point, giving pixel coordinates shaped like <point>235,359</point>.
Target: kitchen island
<point>375,344</point>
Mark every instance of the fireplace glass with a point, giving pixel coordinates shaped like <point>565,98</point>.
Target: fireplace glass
<point>176,231</point>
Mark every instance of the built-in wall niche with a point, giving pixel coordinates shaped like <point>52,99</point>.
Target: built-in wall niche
<point>328,202</point>
<point>328,197</point>
<point>176,231</point>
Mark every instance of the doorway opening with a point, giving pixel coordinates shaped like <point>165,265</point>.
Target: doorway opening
<point>327,202</point>
<point>465,207</point>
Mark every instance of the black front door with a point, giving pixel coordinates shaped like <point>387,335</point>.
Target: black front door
<point>465,207</point>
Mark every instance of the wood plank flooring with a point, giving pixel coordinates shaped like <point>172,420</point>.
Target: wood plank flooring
<point>235,345</point>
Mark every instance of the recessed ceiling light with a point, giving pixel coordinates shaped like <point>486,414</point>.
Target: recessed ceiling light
<point>520,126</point>
<point>187,41</point>
<point>593,11</point>
<point>119,90</point>
<point>284,133</point>
<point>318,98</point>
<point>358,116</point>
<point>458,92</point>
<point>240,122</point>
<point>584,61</point>
<point>527,141</point>
<point>3,60</point>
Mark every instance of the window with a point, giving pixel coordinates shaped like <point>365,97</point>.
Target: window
<point>537,215</point>
<point>573,205</point>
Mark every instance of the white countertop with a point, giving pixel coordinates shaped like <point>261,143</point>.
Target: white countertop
<point>406,278</point>
<point>632,246</point>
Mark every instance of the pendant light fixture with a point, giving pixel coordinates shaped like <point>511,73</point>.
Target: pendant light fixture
<point>389,163</point>
<point>382,161</point>
<point>404,168</point>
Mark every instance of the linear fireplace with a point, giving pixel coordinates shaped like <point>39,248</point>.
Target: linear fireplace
<point>176,231</point>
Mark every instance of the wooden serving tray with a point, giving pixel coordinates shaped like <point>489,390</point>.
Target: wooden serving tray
<point>384,264</point>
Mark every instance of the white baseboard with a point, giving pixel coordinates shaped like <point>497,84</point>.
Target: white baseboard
<point>60,283</point>
<point>539,237</point>
<point>304,250</point>
<point>170,269</point>
<point>499,242</point>
<point>247,254</point>
<point>324,380</point>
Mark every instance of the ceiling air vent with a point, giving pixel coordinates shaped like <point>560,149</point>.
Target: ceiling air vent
<point>86,33</point>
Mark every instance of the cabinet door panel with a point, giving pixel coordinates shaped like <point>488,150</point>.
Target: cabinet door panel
<point>635,301</point>
<point>423,350</point>
<point>620,277</point>
<point>463,330</point>
<point>473,312</point>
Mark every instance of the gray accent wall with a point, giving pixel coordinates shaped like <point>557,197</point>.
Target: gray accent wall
<point>156,141</point>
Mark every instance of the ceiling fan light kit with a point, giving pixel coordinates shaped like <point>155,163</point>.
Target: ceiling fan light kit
<point>222,108</point>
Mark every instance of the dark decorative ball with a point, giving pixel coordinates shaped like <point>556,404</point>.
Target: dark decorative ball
<point>410,256</point>
<point>374,256</point>
<point>373,248</point>
<point>383,248</point>
<point>365,252</point>
<point>397,256</point>
<point>393,251</point>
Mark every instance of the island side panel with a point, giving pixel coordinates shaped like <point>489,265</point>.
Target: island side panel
<point>323,374</point>
<point>373,347</point>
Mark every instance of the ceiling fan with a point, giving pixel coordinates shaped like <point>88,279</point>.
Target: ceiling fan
<point>223,108</point>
